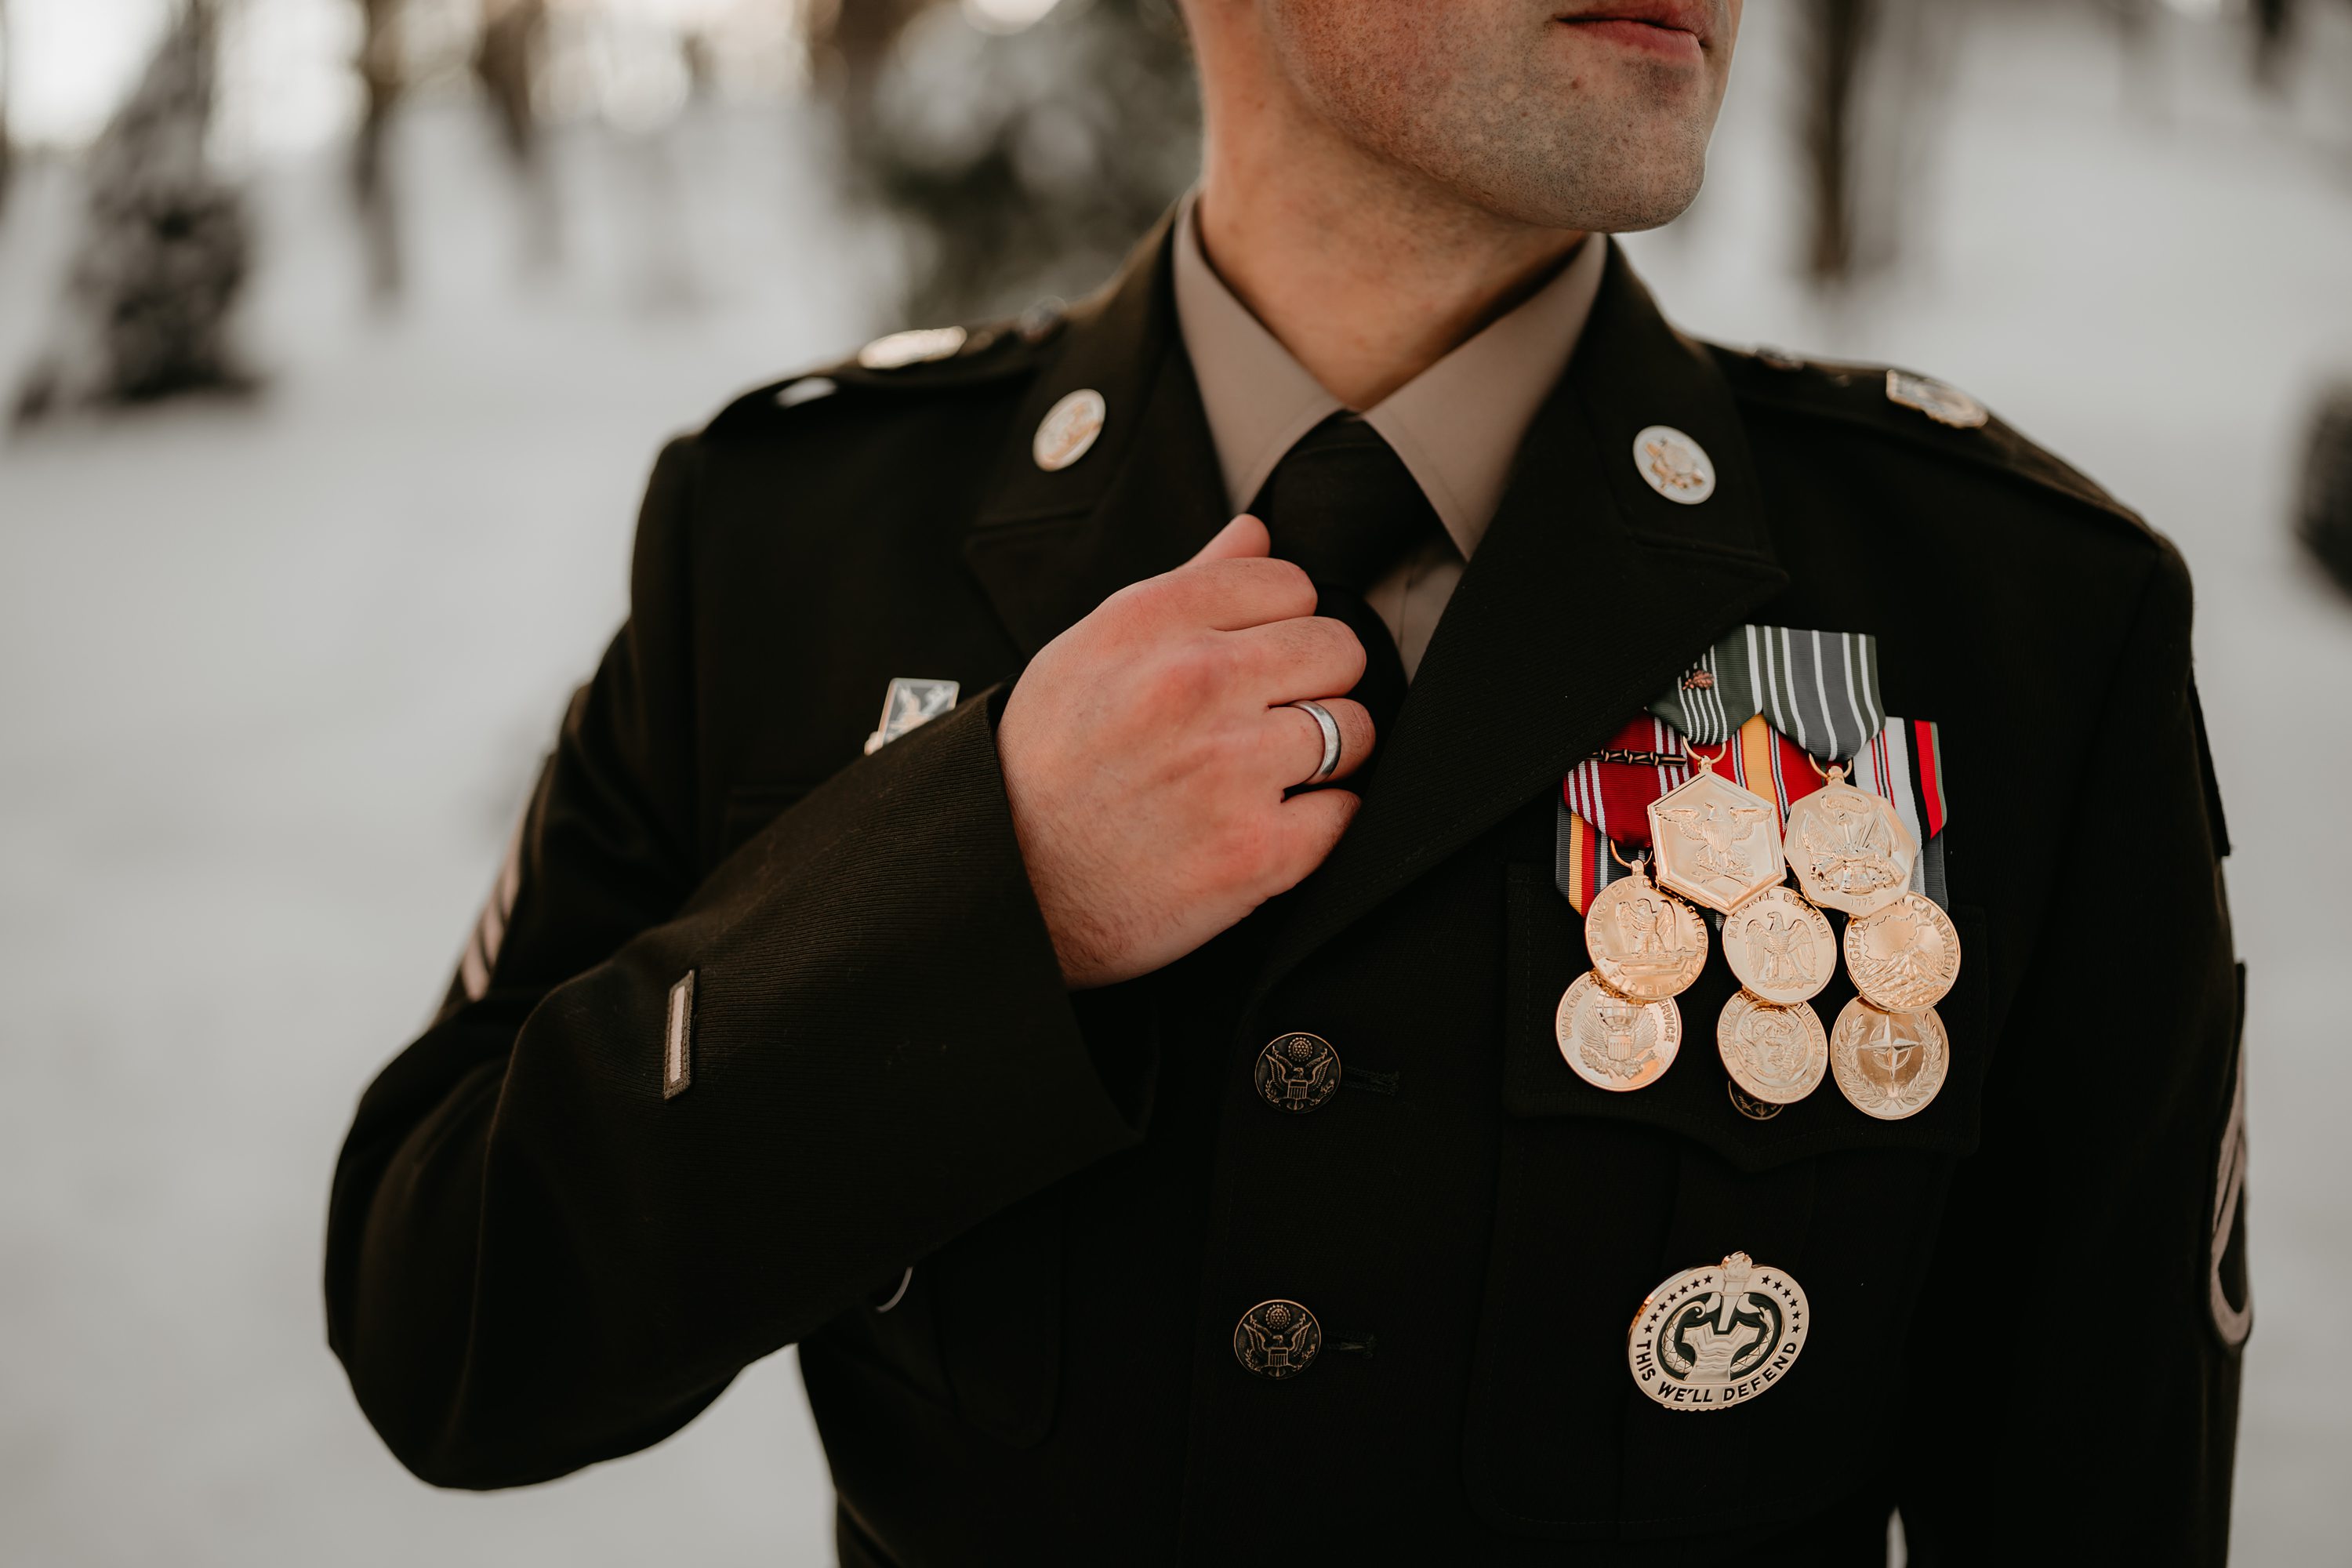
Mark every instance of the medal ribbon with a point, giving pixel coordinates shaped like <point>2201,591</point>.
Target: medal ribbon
<point>1606,797</point>
<point>1818,688</point>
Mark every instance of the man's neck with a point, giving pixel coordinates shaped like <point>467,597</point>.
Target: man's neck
<point>1366,274</point>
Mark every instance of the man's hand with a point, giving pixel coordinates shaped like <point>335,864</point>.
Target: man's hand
<point>1146,751</point>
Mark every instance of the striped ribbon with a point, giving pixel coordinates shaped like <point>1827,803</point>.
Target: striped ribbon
<point>1606,796</point>
<point>1819,688</point>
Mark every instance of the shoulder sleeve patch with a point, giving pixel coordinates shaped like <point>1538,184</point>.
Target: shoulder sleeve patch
<point>2217,825</point>
<point>2229,1283</point>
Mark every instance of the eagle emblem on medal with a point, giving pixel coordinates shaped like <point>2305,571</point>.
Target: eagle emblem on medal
<point>1852,852</point>
<point>1711,1338</point>
<point>1718,842</point>
<point>1613,1042</point>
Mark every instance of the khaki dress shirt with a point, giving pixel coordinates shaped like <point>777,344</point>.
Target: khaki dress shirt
<point>1457,425</point>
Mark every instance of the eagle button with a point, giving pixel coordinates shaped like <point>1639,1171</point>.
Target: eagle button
<point>1297,1072</point>
<point>1277,1339</point>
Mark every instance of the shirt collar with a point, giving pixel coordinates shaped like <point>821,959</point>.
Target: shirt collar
<point>1457,425</point>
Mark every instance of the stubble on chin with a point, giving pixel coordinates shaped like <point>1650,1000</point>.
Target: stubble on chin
<point>1616,148</point>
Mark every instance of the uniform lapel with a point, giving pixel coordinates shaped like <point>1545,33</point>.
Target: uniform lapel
<point>1049,547</point>
<point>1589,593</point>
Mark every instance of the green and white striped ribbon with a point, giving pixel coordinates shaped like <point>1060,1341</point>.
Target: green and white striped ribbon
<point>1819,688</point>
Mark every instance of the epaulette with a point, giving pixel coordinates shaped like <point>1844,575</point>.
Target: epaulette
<point>1903,405</point>
<point>929,359</point>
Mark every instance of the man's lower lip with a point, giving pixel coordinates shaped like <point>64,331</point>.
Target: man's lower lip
<point>1672,42</point>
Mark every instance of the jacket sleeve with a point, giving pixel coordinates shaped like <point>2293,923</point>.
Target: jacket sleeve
<point>535,1259</point>
<point>2072,1384</point>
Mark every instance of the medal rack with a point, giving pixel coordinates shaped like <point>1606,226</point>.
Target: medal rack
<point>1771,883</point>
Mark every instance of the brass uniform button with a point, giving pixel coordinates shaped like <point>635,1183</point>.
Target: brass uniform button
<point>1297,1072</point>
<point>1939,400</point>
<point>921,346</point>
<point>1069,430</point>
<point>1277,1339</point>
<point>1674,465</point>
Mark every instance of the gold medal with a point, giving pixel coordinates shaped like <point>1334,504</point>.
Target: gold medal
<point>1646,944</point>
<point>1849,849</point>
<point>1905,957</point>
<point>1778,1054</point>
<point>1613,1042</point>
<point>1779,946</point>
<point>1890,1065</point>
<point>1716,842</point>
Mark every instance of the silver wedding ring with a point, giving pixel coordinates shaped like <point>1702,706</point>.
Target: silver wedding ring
<point>1330,728</point>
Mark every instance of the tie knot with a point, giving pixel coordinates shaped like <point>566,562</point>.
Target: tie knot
<point>1343,505</point>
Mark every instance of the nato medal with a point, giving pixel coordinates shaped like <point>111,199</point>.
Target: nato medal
<point>1708,1339</point>
<point>1890,1065</point>
<point>1646,944</point>
<point>1716,842</point>
<point>1612,1042</point>
<point>1778,1054</point>
<point>1850,851</point>
<point>1906,956</point>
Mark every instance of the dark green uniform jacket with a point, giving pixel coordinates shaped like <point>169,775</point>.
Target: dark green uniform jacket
<point>2024,1327</point>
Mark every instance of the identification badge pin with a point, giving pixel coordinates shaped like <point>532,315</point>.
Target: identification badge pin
<point>909,703</point>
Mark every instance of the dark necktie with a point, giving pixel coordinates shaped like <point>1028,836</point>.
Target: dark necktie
<point>1343,505</point>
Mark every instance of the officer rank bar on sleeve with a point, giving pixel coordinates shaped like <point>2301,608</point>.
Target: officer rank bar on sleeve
<point>677,1039</point>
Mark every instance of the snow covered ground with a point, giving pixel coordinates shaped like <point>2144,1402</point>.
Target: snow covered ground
<point>275,678</point>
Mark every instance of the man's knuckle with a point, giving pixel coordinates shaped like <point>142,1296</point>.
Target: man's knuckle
<point>1185,679</point>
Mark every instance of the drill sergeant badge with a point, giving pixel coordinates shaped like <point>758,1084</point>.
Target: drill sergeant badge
<point>1711,1337</point>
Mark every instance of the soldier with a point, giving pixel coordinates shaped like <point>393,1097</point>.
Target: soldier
<point>1157,1078</point>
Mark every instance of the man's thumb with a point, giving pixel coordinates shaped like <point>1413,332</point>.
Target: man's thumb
<point>1246,535</point>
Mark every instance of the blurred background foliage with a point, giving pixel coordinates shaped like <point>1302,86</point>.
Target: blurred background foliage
<point>1015,147</point>
<point>1012,149</point>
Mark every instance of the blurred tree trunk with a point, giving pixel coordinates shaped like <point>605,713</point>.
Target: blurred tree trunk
<point>379,82</point>
<point>1025,163</point>
<point>162,254</point>
<point>506,62</point>
<point>7,146</point>
<point>1836,33</point>
<point>849,42</point>
<point>2274,30</point>
<point>507,55</point>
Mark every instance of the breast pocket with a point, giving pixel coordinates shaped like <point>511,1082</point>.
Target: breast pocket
<point>1603,1195</point>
